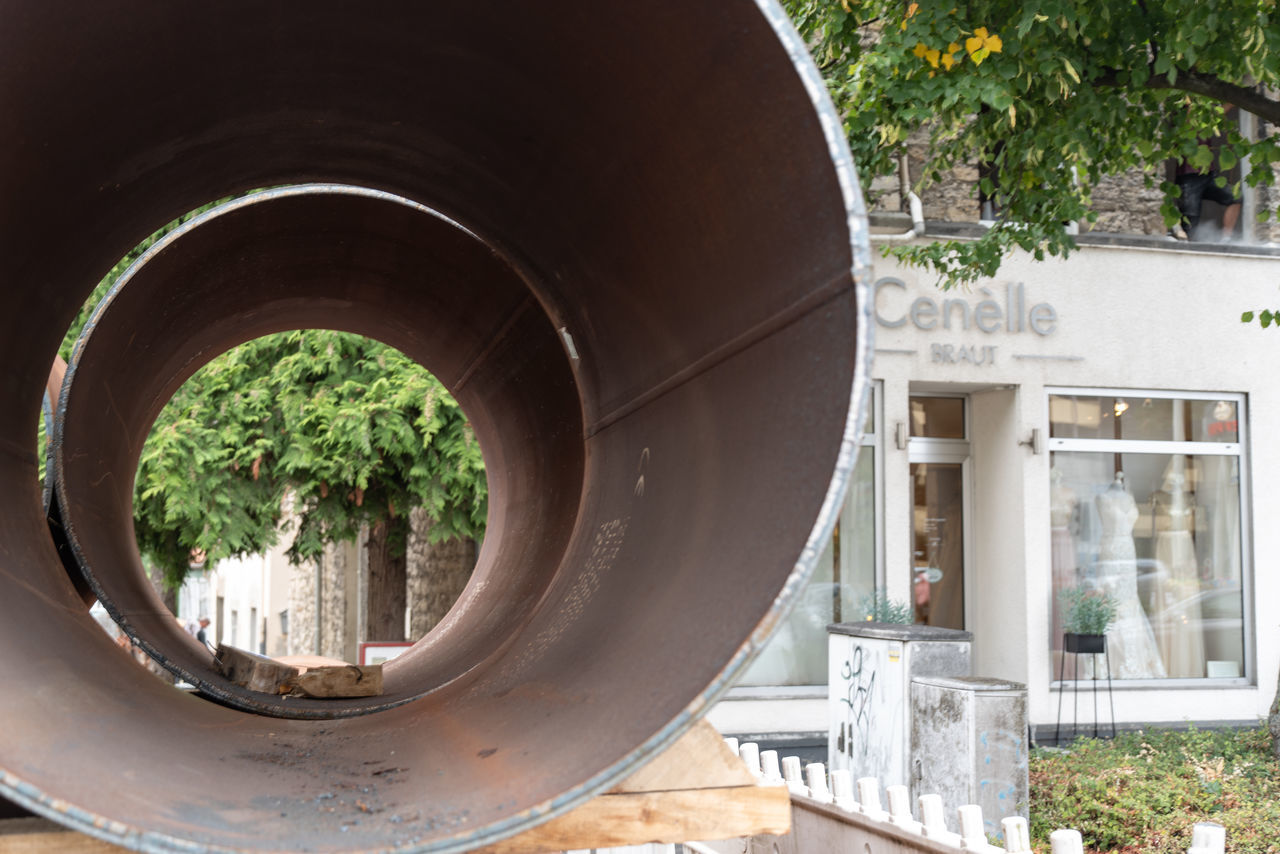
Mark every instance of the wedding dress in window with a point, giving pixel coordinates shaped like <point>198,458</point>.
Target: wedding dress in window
<point>1180,632</point>
<point>1131,645</point>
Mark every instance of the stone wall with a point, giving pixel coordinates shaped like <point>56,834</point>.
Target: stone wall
<point>301,639</point>
<point>1268,199</point>
<point>954,198</point>
<point>435,577</point>
<point>1125,204</point>
<point>302,609</point>
<point>335,571</point>
<point>335,564</point>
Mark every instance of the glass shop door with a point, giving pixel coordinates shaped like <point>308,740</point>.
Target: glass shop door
<point>938,452</point>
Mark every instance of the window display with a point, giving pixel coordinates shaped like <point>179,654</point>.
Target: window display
<point>1145,507</point>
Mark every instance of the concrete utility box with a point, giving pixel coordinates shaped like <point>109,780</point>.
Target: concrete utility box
<point>870,667</point>
<point>969,744</point>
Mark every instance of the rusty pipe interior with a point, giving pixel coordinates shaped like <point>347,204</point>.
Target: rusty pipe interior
<point>333,258</point>
<point>639,269</point>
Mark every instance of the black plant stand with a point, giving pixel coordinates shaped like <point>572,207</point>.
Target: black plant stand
<point>1078,645</point>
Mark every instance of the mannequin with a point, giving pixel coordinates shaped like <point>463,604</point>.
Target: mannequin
<point>1131,645</point>
<point>1181,644</point>
<point>1062,506</point>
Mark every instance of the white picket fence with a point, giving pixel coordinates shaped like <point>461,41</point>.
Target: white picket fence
<point>859,802</point>
<point>838,789</point>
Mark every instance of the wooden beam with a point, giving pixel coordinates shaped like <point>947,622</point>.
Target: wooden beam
<point>697,789</point>
<point>253,671</point>
<point>41,836</point>
<point>638,818</point>
<point>349,680</point>
<point>700,759</point>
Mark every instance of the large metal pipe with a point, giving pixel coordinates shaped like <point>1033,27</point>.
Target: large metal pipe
<point>335,258</point>
<point>653,311</point>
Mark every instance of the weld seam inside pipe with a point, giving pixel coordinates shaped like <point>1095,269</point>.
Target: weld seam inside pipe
<point>799,309</point>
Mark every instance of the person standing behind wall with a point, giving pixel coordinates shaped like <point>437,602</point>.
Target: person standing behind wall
<point>200,633</point>
<point>1196,186</point>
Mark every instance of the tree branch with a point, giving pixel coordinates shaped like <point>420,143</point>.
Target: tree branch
<point>1211,87</point>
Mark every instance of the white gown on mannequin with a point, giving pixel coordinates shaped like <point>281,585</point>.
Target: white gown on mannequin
<point>1181,637</point>
<point>1131,645</point>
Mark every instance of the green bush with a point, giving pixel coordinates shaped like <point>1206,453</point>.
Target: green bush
<point>1142,792</point>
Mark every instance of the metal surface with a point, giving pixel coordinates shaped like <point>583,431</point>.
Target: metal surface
<point>329,258</point>
<point>653,313</point>
<point>49,498</point>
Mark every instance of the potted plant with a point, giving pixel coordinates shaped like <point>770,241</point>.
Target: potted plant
<point>1086,616</point>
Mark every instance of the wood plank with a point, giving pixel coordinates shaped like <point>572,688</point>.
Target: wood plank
<point>638,818</point>
<point>349,680</point>
<point>699,759</point>
<point>41,836</point>
<point>252,671</point>
<point>605,821</point>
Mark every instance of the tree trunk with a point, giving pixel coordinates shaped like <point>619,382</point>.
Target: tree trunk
<point>437,573</point>
<point>168,596</point>
<point>386,601</point>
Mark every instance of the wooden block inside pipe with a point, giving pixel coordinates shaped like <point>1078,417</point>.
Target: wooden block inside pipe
<point>349,680</point>
<point>255,672</point>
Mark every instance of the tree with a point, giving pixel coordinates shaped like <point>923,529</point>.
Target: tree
<point>350,431</point>
<point>1048,97</point>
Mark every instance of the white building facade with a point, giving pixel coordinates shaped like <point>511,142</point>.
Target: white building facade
<point>1103,423</point>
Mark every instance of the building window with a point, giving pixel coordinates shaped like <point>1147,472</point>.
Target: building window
<point>845,577</point>
<point>1146,504</point>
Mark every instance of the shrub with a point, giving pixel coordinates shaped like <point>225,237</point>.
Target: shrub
<point>1142,792</point>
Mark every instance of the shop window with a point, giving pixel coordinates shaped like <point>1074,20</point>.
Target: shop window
<point>843,581</point>
<point>1147,505</point>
